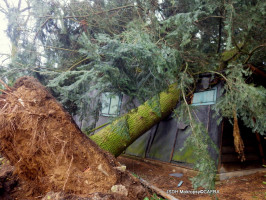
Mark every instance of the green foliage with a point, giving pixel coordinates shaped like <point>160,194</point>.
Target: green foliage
<point>131,65</point>
<point>153,197</point>
<point>248,101</point>
<point>137,176</point>
<point>205,164</point>
<point>70,88</point>
<point>199,141</point>
<point>181,24</point>
<point>264,182</point>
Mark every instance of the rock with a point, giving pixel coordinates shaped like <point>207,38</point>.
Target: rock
<point>53,196</point>
<point>119,189</point>
<point>121,168</point>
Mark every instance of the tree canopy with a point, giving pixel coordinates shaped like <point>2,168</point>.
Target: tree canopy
<point>139,48</point>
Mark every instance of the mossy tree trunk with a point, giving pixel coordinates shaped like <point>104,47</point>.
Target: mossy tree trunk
<point>115,138</point>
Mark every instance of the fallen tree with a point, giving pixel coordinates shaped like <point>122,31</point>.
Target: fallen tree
<point>50,153</point>
<point>116,137</point>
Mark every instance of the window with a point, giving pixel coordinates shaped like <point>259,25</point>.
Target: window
<point>110,104</point>
<point>205,98</point>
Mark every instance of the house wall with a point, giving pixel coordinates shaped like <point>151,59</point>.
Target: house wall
<point>166,139</point>
<point>90,120</point>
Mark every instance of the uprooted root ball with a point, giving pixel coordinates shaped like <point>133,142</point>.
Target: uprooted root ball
<point>48,150</point>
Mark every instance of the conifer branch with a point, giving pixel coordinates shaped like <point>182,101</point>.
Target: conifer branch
<point>218,16</point>
<point>253,51</point>
<point>89,15</point>
<point>60,48</point>
<point>76,64</point>
<point>5,85</point>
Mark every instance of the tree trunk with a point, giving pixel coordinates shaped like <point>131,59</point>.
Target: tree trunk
<point>115,138</point>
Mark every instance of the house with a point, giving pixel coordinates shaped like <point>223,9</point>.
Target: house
<point>164,142</point>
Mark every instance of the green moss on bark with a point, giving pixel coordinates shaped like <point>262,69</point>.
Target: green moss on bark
<point>138,120</point>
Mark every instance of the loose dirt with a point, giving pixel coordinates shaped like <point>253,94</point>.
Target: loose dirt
<point>249,187</point>
<point>49,152</point>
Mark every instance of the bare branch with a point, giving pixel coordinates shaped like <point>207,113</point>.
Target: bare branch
<point>76,64</point>
<point>88,15</point>
<point>253,51</point>
<point>41,28</point>
<point>59,48</point>
<point>5,85</point>
<point>220,32</point>
<point>25,9</point>
<point>3,91</point>
<point>202,19</point>
<point>7,5</point>
<point>19,4</point>
<point>3,10</point>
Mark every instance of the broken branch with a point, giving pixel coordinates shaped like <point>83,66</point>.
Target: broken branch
<point>253,51</point>
<point>5,85</point>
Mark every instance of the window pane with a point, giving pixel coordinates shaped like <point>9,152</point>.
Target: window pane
<point>105,103</point>
<point>114,105</point>
<point>205,98</point>
<point>110,104</point>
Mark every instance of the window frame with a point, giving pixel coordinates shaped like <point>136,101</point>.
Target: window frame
<point>204,103</point>
<point>108,114</point>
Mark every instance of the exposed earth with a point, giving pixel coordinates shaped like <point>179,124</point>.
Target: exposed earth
<point>249,187</point>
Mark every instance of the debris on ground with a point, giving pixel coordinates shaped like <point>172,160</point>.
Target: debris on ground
<point>238,188</point>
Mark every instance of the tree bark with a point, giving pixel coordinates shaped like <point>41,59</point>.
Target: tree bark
<point>138,120</point>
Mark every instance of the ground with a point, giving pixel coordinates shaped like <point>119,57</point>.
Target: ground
<point>249,187</point>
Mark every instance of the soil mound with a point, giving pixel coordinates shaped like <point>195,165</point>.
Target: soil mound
<point>48,150</point>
